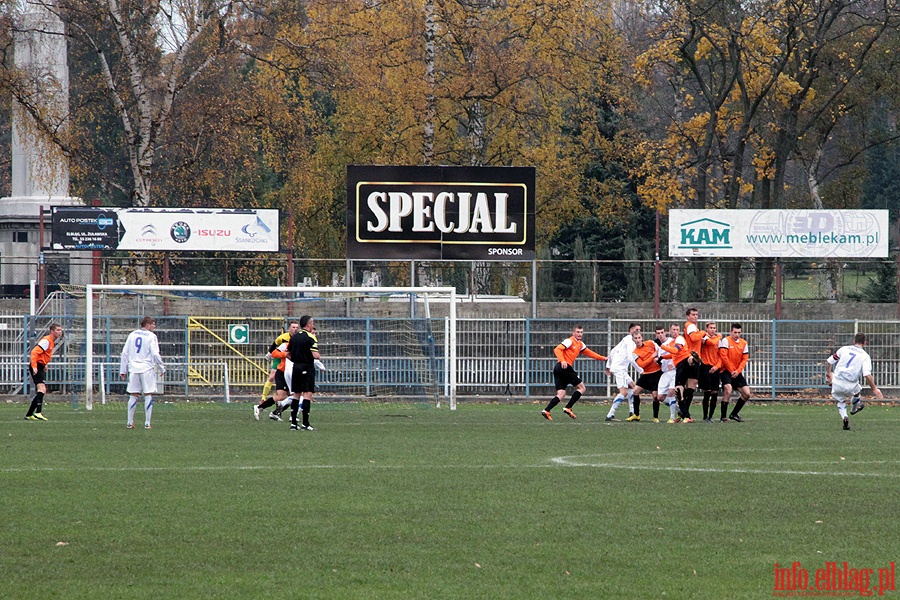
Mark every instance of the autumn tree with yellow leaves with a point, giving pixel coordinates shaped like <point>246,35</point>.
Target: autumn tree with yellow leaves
<point>750,92</point>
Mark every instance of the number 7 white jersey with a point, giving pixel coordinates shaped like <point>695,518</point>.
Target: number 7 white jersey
<point>850,363</point>
<point>141,353</point>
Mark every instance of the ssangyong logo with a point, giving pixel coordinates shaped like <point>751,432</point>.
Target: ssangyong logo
<point>180,232</point>
<point>705,234</point>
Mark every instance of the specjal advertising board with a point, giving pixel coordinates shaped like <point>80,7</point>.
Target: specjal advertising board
<point>779,233</point>
<point>440,213</point>
<point>172,229</point>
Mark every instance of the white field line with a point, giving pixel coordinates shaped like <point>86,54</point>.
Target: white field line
<point>576,461</point>
<point>560,461</point>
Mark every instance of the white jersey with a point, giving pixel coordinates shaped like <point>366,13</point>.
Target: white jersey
<point>850,363</point>
<point>622,355</point>
<point>667,364</point>
<point>141,353</point>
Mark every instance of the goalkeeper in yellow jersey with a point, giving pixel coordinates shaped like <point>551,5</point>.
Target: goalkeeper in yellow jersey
<point>276,375</point>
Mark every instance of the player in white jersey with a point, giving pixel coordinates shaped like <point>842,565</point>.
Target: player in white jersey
<point>666,389</point>
<point>140,363</point>
<point>617,363</point>
<point>843,370</point>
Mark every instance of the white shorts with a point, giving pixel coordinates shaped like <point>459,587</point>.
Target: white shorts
<point>623,380</point>
<point>666,383</point>
<point>844,390</point>
<point>288,373</point>
<point>142,383</point>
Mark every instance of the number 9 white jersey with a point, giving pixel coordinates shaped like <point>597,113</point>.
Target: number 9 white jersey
<point>141,353</point>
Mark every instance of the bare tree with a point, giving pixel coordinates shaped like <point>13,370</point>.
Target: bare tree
<point>147,53</point>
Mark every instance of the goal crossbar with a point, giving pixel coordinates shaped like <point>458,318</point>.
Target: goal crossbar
<point>90,290</point>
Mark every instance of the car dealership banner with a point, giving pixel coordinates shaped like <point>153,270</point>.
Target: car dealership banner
<point>440,213</point>
<point>174,229</point>
<point>779,233</point>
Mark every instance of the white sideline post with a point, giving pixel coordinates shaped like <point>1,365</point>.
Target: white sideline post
<point>89,315</point>
<point>225,383</point>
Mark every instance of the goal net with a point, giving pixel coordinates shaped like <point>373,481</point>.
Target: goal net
<point>377,343</point>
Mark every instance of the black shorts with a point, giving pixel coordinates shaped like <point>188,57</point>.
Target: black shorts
<point>736,382</point>
<point>280,381</point>
<point>708,381</point>
<point>563,378</point>
<point>39,376</point>
<point>649,382</point>
<point>303,379</point>
<point>684,371</point>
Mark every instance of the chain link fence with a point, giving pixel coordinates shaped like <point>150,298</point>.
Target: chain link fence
<point>678,280</point>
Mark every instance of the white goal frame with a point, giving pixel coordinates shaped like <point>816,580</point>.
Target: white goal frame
<point>91,289</point>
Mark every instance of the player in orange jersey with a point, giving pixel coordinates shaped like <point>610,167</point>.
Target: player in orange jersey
<point>686,368</point>
<point>688,371</point>
<point>735,354</point>
<point>710,368</point>
<point>564,373</point>
<point>40,358</point>
<point>647,354</point>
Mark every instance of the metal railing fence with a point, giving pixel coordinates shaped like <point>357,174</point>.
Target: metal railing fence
<point>391,357</point>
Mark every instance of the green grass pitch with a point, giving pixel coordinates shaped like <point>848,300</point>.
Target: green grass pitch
<point>407,501</point>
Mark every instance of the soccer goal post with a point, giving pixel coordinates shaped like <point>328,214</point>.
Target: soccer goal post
<point>382,356</point>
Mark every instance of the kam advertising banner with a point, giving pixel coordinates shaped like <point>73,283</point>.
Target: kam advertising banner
<point>779,233</point>
<point>440,213</point>
<point>172,229</point>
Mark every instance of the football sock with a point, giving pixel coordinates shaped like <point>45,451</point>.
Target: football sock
<point>132,404</point>
<point>636,406</point>
<point>576,396</point>
<point>673,407</point>
<point>724,409</point>
<point>39,402</point>
<point>267,389</point>
<point>266,403</point>
<point>842,408</point>
<point>617,402</point>
<point>713,399</point>
<point>738,407</point>
<point>305,410</point>
<point>685,404</point>
<point>32,408</point>
<point>295,406</point>
<point>553,402</point>
<point>656,409</point>
<point>705,404</point>
<point>148,409</point>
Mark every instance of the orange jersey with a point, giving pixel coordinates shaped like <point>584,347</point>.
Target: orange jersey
<point>570,349</point>
<point>693,336</point>
<point>42,352</point>
<point>734,354</point>
<point>709,352</point>
<point>678,349</point>
<point>646,358</point>
<point>282,354</point>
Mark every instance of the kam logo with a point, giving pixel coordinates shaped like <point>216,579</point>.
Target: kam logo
<point>833,580</point>
<point>706,234</point>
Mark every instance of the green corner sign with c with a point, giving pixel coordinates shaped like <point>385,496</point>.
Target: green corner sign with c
<point>239,333</point>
